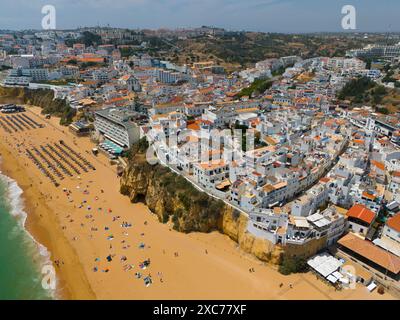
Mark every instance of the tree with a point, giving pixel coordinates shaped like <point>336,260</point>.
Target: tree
<point>72,61</point>
<point>3,67</point>
<point>383,110</point>
<point>293,265</point>
<point>259,86</point>
<point>126,52</point>
<point>368,63</point>
<point>139,147</point>
<point>362,90</point>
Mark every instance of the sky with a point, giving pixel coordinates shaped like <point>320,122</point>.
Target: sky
<point>288,16</point>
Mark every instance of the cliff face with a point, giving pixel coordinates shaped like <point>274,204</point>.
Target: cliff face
<point>171,197</point>
<point>234,224</point>
<point>43,98</point>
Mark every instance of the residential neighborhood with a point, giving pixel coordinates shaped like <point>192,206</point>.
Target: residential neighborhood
<point>313,174</point>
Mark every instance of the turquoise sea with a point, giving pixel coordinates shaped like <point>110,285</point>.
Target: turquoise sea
<point>21,257</point>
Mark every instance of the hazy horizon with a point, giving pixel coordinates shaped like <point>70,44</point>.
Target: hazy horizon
<point>199,26</point>
<point>276,16</point>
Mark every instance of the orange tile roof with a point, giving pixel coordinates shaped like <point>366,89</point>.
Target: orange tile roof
<point>92,59</point>
<point>193,126</point>
<point>330,122</point>
<point>361,212</point>
<point>214,164</point>
<point>281,230</point>
<point>87,101</point>
<point>125,77</point>
<point>206,90</point>
<point>378,164</point>
<point>371,252</point>
<point>256,173</point>
<point>394,222</point>
<point>368,196</point>
<point>206,122</point>
<point>89,82</point>
<point>118,99</point>
<point>383,141</point>
<point>280,185</point>
<point>231,94</point>
<point>270,140</point>
<point>192,139</point>
<point>247,110</point>
<point>268,188</point>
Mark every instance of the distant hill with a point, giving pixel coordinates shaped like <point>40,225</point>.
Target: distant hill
<point>236,50</point>
<point>361,91</point>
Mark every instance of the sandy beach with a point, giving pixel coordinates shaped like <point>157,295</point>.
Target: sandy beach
<point>99,241</point>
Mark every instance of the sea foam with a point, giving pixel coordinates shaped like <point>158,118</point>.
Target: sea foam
<point>16,202</point>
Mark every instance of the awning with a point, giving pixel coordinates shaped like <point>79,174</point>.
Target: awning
<point>324,264</point>
<point>331,278</point>
<point>371,287</point>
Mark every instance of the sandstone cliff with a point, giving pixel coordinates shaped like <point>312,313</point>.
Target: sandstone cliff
<point>172,198</point>
<point>43,98</point>
<point>234,224</point>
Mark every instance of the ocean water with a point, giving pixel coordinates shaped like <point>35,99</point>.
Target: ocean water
<point>21,257</point>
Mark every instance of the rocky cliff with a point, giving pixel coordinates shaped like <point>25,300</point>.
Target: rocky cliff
<point>172,198</point>
<point>43,98</point>
<point>234,224</point>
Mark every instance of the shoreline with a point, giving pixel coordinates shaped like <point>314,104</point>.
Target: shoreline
<point>37,224</point>
<point>16,202</point>
<point>80,229</point>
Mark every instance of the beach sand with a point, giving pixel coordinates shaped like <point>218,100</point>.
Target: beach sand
<point>182,266</point>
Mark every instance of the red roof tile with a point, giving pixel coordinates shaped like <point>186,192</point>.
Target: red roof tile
<point>361,212</point>
<point>371,252</point>
<point>394,222</point>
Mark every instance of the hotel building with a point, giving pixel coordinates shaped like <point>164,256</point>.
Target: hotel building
<point>116,125</point>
